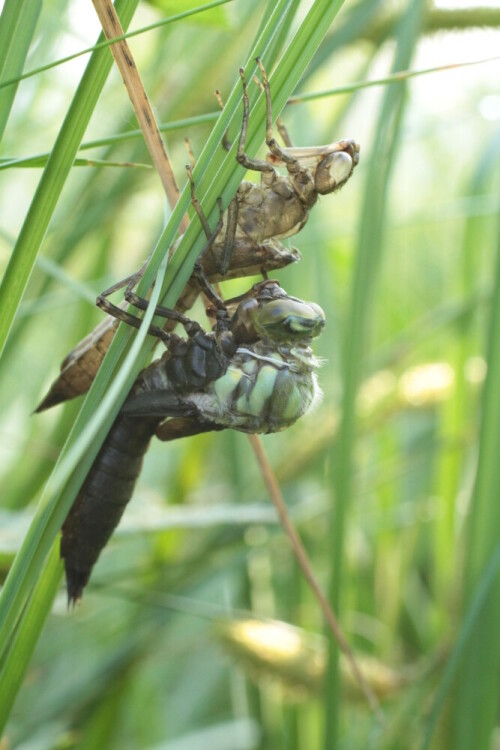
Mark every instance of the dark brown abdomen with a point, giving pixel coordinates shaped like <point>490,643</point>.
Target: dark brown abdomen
<point>102,499</point>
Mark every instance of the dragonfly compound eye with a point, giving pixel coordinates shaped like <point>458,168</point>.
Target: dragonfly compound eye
<point>333,171</point>
<point>289,320</point>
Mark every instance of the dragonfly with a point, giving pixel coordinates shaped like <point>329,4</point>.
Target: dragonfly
<point>258,217</point>
<point>255,373</point>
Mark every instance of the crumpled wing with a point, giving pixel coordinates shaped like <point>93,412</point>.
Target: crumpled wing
<point>183,417</point>
<point>180,427</point>
<point>159,403</point>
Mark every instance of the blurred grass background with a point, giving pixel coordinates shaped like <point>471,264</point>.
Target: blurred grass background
<point>391,482</point>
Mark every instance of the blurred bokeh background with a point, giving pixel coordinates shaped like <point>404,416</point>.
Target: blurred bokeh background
<point>169,648</point>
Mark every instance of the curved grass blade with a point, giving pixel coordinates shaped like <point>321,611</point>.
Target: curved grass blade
<point>483,590</point>
<point>397,77</point>
<point>33,231</point>
<point>369,251</point>
<point>107,42</point>
<point>52,181</point>
<point>50,515</point>
<point>25,639</point>
<point>475,710</point>
<point>17,26</point>
<point>41,160</point>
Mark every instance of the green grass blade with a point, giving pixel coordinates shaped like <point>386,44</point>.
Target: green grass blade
<point>346,31</point>
<point>52,181</point>
<point>17,26</point>
<point>368,256</point>
<point>396,77</point>
<point>470,282</point>
<point>25,639</point>
<point>483,590</point>
<point>15,79</point>
<point>48,518</point>
<point>168,127</point>
<point>40,160</point>
<point>477,691</point>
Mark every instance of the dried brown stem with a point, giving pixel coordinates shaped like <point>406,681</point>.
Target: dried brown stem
<point>128,70</point>
<point>307,570</point>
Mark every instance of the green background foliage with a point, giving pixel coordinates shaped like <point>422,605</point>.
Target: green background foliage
<point>391,481</point>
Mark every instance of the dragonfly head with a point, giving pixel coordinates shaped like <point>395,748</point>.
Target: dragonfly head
<point>269,312</point>
<point>336,167</point>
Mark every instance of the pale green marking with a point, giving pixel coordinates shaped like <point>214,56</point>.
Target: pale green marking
<point>262,390</point>
<point>295,406</point>
<point>249,366</point>
<point>226,385</point>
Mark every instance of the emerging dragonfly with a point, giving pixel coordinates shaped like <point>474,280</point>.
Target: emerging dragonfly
<point>253,373</point>
<point>258,216</point>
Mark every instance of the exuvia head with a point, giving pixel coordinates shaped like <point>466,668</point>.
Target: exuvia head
<point>331,166</point>
<point>269,312</point>
<point>336,167</point>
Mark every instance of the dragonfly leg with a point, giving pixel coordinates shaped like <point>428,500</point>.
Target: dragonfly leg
<point>198,271</point>
<point>226,143</point>
<point>258,165</point>
<point>291,162</point>
<point>118,312</point>
<point>190,152</point>
<point>132,320</point>
<point>128,281</point>
<point>199,211</point>
<point>232,211</point>
<point>190,326</point>
<point>231,226</point>
<point>164,312</point>
<point>283,131</point>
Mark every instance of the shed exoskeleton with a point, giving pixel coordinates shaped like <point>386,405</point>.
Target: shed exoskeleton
<point>257,218</point>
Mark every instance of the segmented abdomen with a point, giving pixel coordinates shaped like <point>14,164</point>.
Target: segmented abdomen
<point>102,499</point>
<point>110,482</point>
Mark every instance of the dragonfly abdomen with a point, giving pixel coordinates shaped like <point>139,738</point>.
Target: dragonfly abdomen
<point>102,499</point>
<point>110,482</point>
